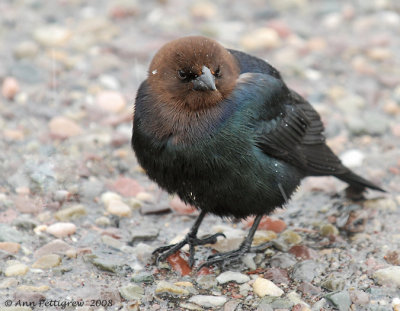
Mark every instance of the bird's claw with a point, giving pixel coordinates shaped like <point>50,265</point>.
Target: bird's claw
<point>166,251</point>
<point>225,257</point>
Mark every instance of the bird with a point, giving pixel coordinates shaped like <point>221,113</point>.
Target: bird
<point>222,130</point>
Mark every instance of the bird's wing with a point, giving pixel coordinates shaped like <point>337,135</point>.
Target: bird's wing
<point>295,136</point>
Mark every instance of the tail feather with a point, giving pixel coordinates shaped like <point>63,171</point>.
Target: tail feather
<point>358,182</point>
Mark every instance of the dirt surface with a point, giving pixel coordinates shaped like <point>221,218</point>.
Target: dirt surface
<point>79,218</point>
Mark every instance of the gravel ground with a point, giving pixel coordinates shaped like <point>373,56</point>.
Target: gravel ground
<point>78,217</point>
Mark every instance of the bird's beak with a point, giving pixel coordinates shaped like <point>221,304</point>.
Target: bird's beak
<point>204,82</point>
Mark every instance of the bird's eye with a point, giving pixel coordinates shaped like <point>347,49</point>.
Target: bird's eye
<point>217,72</point>
<point>182,75</point>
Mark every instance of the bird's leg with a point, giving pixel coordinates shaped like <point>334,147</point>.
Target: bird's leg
<point>190,239</point>
<point>237,253</point>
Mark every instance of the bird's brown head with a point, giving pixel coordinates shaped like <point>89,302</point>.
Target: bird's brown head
<point>193,73</point>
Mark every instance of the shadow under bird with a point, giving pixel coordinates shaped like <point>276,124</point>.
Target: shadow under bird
<point>221,129</point>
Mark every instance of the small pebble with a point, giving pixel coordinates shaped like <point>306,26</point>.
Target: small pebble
<point>51,35</point>
<point>144,234</point>
<point>69,213</point>
<point>392,257</point>
<point>47,261</point>
<point>262,38</point>
<point>106,264</point>
<point>103,221</point>
<point>244,289</point>
<point>263,287</point>
<point>207,281</point>
<point>164,287</point>
<point>328,229</point>
<point>8,283</point>
<point>145,197</point>
<point>10,247</point>
<point>231,276</point>
<point>16,269</point>
<point>282,260</point>
<point>290,237</point>
<point>10,87</point>
<point>386,276</point>
<point>26,49</point>
<point>340,300</point>
<point>143,252</point>
<point>110,241</point>
<point>263,236</point>
<point>308,289</point>
<point>143,277</point>
<point>208,301</point>
<point>333,284</point>
<point>177,205</point>
<point>248,260</point>
<point>358,297</point>
<point>39,289</point>
<point>61,229</point>
<point>131,292</point>
<point>111,101</point>
<point>204,9</point>
<point>277,275</point>
<point>107,197</point>
<point>304,271</point>
<point>127,187</point>
<point>295,298</point>
<point>119,208</point>
<point>382,203</point>
<point>56,247</point>
<point>352,158</point>
<point>62,127</point>
<point>303,252</point>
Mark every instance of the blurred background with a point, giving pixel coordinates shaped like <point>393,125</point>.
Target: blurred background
<point>69,71</point>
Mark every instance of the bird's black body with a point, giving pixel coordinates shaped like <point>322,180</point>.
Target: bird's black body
<point>251,158</point>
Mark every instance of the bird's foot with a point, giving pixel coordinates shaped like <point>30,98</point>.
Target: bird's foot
<point>227,257</point>
<point>166,251</point>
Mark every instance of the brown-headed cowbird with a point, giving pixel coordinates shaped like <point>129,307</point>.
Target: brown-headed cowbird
<point>221,129</point>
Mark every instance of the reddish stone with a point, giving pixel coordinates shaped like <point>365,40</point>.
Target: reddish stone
<point>280,27</point>
<point>126,186</point>
<point>179,264</point>
<point>25,204</point>
<point>267,223</point>
<point>277,275</point>
<point>303,252</point>
<point>309,289</point>
<point>181,207</point>
<point>205,271</point>
<point>393,257</point>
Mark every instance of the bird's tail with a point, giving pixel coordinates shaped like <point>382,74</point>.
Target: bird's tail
<point>358,182</point>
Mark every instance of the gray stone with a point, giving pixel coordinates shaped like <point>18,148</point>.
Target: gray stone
<point>26,72</point>
<point>131,292</point>
<point>143,277</point>
<point>231,276</point>
<point>147,234</point>
<point>340,300</point>
<point>208,301</point>
<point>277,302</point>
<point>304,271</point>
<point>283,260</point>
<point>207,281</point>
<point>333,284</point>
<point>111,242</point>
<point>9,234</point>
